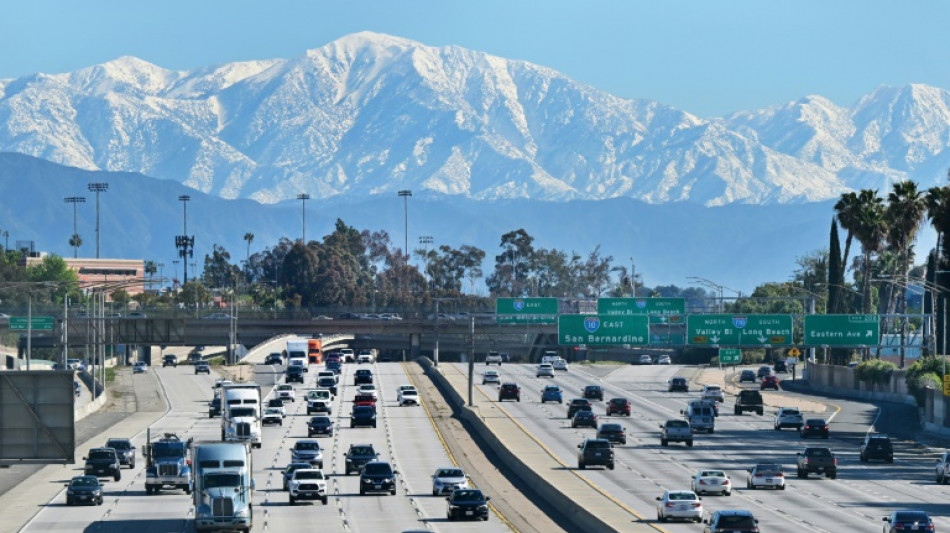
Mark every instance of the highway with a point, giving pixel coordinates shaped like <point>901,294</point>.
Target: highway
<point>856,501</point>
<point>405,436</point>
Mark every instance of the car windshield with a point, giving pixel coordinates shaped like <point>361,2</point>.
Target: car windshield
<point>361,450</point>
<point>579,402</point>
<point>160,451</point>
<point>467,495</point>
<point>275,403</point>
<point>320,421</point>
<point>731,522</point>
<point>222,480</point>
<point>452,472</point>
<point>911,516</point>
<point>610,427</point>
<point>681,496</point>
<point>712,388</point>
<point>307,446</point>
<point>84,482</point>
<point>378,469</point>
<point>676,424</point>
<point>598,444</point>
<point>95,456</point>
<point>584,414</point>
<point>119,444</point>
<point>308,474</point>
<point>272,411</point>
<point>285,387</point>
<point>242,411</point>
<point>363,410</point>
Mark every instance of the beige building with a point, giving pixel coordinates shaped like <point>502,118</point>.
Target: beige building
<point>121,273</point>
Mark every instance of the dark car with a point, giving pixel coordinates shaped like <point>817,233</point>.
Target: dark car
<point>731,520</point>
<point>363,375</point>
<point>595,452</point>
<point>84,489</point>
<point>288,471</point>
<point>294,373</point>
<point>357,456</point>
<point>125,450</point>
<point>764,370</point>
<point>578,404</point>
<point>274,359</point>
<point>584,419</point>
<point>334,366</point>
<point>169,360</point>
<point>377,476</point>
<point>908,520</point>
<point>275,402</point>
<point>509,391</point>
<point>202,366</point>
<point>467,503</point>
<point>780,367</point>
<point>769,382</point>
<point>814,427</point>
<point>618,406</point>
<point>214,407</point>
<point>877,446</point>
<point>675,384</point>
<point>320,425</point>
<point>363,415</point>
<point>103,462</point>
<point>747,375</point>
<point>613,433</point>
<point>327,382</point>
<point>594,392</point>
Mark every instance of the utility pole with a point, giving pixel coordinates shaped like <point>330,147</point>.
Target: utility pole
<point>75,238</point>
<point>303,197</point>
<point>185,243</point>
<point>98,188</point>
<point>426,240</point>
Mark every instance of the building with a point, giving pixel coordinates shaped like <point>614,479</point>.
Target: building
<point>127,274</point>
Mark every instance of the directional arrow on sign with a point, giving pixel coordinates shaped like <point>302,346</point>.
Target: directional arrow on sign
<point>763,339</point>
<point>715,340</point>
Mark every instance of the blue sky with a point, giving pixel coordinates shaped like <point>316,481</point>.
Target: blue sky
<point>708,58</point>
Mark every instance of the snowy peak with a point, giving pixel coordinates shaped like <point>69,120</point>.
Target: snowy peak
<point>371,113</point>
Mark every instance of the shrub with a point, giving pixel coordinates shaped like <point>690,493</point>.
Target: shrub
<point>874,371</point>
<point>927,371</point>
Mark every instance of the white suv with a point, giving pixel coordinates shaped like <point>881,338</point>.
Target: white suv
<point>788,417</point>
<point>407,396</point>
<point>712,392</point>
<point>559,364</point>
<point>545,370</point>
<point>308,484</point>
<point>493,358</point>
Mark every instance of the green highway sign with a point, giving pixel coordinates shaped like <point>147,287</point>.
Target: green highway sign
<point>526,306</point>
<point>739,330</point>
<point>39,322</point>
<point>730,356</point>
<point>602,329</point>
<point>641,306</point>
<point>526,319</point>
<point>842,330</point>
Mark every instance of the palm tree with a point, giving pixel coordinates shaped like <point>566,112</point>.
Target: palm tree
<point>75,241</point>
<point>847,209</point>
<point>870,230</point>
<point>249,237</point>
<point>906,206</point>
<point>150,269</point>
<point>938,213</point>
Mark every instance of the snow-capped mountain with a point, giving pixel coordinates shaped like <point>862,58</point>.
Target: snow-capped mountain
<point>371,114</point>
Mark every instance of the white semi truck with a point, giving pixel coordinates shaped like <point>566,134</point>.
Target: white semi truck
<point>224,486</point>
<point>241,412</point>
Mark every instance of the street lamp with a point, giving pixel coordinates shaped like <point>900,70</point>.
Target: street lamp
<point>185,243</point>
<point>98,188</point>
<point>161,277</point>
<point>303,197</point>
<point>714,286</point>
<point>405,194</point>
<point>75,239</point>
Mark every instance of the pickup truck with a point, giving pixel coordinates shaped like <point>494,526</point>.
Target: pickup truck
<point>817,461</point>
<point>676,431</point>
<point>749,400</point>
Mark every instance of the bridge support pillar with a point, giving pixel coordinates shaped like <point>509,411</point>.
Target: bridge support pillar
<point>414,341</point>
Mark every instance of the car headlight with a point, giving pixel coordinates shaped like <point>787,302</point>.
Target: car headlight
<point>348,460</point>
<point>241,514</point>
<point>96,492</point>
<point>388,480</point>
<point>69,491</point>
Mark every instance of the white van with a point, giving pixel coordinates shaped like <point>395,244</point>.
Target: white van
<point>700,415</point>
<point>549,358</point>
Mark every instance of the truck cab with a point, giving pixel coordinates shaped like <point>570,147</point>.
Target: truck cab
<point>167,464</point>
<point>241,413</point>
<point>224,486</point>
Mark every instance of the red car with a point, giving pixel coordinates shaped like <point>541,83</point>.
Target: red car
<point>618,406</point>
<point>769,382</point>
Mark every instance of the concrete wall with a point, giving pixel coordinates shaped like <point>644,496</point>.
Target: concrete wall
<point>841,380</point>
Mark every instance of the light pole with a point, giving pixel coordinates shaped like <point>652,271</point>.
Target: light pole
<point>303,197</point>
<point>161,277</point>
<point>75,239</point>
<point>633,277</point>
<point>185,243</point>
<point>426,240</point>
<point>405,194</point>
<point>98,188</point>
<point>714,286</point>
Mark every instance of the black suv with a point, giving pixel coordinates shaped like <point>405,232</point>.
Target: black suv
<point>377,476</point>
<point>594,392</point>
<point>595,452</point>
<point>320,425</point>
<point>509,391</point>
<point>273,359</point>
<point>877,447</point>
<point>294,373</point>
<point>780,367</point>
<point>363,375</point>
<point>358,455</point>
<point>363,415</point>
<point>678,384</point>
<point>124,449</point>
<point>170,360</point>
<point>578,404</point>
<point>214,407</point>
<point>103,462</point>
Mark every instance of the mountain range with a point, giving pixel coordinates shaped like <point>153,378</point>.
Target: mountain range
<point>485,144</point>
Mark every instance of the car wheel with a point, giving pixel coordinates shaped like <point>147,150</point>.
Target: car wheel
<point>664,442</point>
<point>833,475</point>
<point>449,517</point>
<point>117,476</point>
<point>324,500</point>
<point>759,412</point>
<point>68,501</point>
<point>801,474</point>
<point>890,459</point>
<point>775,427</point>
<point>435,493</point>
<point>292,500</point>
<point>748,485</point>
<point>392,492</point>
<point>782,487</point>
<point>728,493</point>
<point>362,492</point>
<point>660,518</point>
<point>100,501</point>
<point>581,466</point>
<point>131,465</point>
<point>689,443</point>
<point>610,466</point>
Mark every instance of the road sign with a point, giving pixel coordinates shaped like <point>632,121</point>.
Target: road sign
<point>946,385</point>
<point>842,330</point>
<point>39,322</point>
<point>602,329</point>
<point>730,356</point>
<point>641,306</point>
<point>526,306</point>
<point>794,352</point>
<point>526,319</point>
<point>739,330</point>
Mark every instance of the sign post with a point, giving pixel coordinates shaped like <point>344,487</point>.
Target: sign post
<point>603,330</point>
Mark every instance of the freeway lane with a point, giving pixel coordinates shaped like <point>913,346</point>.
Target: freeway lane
<point>404,436</point>
<point>855,501</point>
